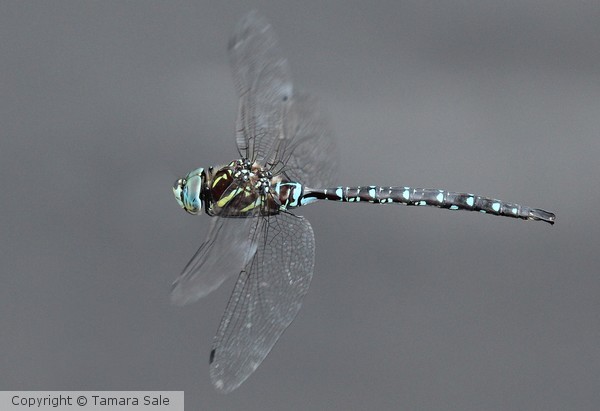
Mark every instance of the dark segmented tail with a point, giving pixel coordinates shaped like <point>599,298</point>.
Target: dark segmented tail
<point>427,197</point>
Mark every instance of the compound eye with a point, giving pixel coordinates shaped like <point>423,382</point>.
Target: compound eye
<point>179,183</point>
<point>179,190</point>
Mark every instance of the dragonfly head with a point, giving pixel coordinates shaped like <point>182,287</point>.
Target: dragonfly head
<point>188,191</point>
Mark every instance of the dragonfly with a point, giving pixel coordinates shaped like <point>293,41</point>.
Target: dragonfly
<point>286,158</point>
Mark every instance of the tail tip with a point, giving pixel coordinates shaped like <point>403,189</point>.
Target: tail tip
<point>542,215</point>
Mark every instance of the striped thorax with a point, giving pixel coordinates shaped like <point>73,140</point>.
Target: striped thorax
<point>239,189</point>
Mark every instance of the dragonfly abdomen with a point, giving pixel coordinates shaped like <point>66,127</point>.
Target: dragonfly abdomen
<point>427,197</point>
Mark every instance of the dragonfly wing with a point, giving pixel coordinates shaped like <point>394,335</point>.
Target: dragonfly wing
<point>280,128</point>
<point>263,81</point>
<point>265,300</point>
<point>227,248</point>
<point>310,154</point>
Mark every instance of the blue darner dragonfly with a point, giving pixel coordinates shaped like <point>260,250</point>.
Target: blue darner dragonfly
<point>285,149</point>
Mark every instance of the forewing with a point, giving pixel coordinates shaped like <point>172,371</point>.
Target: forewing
<point>265,300</point>
<point>263,81</point>
<point>227,248</point>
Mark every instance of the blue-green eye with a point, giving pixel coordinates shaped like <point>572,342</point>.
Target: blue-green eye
<point>191,195</point>
<point>178,191</point>
<point>187,191</point>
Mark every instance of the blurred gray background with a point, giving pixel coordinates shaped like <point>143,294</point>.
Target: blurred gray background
<point>103,104</point>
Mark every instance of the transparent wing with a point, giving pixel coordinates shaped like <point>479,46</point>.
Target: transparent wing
<point>227,248</point>
<point>265,300</point>
<point>277,126</point>
<point>263,81</point>
<point>308,153</point>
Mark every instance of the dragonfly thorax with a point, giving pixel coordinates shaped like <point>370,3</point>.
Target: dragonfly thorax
<point>239,189</point>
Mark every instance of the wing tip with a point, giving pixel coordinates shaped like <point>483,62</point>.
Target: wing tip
<point>180,296</point>
<point>253,21</point>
